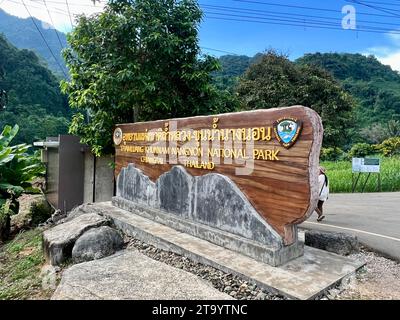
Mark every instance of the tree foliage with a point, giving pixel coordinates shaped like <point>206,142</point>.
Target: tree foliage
<point>332,154</point>
<point>22,33</point>
<point>34,100</point>
<point>275,81</point>
<point>232,68</point>
<point>361,150</point>
<point>390,147</point>
<point>375,86</point>
<point>17,171</point>
<point>137,61</point>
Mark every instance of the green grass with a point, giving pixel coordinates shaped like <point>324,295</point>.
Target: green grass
<point>20,264</point>
<point>340,176</point>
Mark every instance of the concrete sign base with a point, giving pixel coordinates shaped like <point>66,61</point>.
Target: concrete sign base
<point>210,207</point>
<point>306,277</point>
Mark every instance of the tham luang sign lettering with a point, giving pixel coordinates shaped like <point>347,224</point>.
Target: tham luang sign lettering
<point>240,180</point>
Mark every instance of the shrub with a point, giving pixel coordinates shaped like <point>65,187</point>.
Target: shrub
<point>360,150</point>
<point>39,212</point>
<point>374,134</point>
<point>18,169</point>
<point>5,221</point>
<point>390,147</point>
<point>332,154</point>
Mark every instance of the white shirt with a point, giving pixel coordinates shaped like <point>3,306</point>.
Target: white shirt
<point>324,194</point>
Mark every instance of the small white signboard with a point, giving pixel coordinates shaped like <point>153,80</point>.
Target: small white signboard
<point>366,165</point>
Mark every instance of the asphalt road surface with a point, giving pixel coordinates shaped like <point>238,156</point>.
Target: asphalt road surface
<point>373,217</point>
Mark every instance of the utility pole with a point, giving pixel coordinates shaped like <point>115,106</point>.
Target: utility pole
<point>3,99</point>
<point>3,93</point>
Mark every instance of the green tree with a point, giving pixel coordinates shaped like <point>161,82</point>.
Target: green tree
<point>232,67</point>
<point>274,81</point>
<point>33,97</point>
<point>361,150</point>
<point>390,147</point>
<point>394,128</point>
<point>375,86</point>
<point>137,60</point>
<point>17,171</point>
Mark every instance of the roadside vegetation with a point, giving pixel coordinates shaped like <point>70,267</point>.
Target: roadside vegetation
<point>18,170</point>
<point>340,176</point>
<point>21,261</point>
<point>21,258</point>
<point>339,164</point>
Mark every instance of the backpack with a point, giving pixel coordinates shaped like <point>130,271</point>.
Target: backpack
<point>326,183</point>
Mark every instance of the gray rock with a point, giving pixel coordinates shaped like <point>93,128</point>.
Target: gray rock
<point>219,203</point>
<point>261,296</point>
<point>59,241</point>
<point>96,244</point>
<point>49,277</point>
<point>213,200</point>
<point>210,207</point>
<point>56,217</point>
<point>130,275</point>
<point>339,243</point>
<point>83,209</point>
<point>174,192</point>
<point>133,185</point>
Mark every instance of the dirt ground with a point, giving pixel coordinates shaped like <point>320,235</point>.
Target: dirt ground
<point>378,280</point>
<point>22,261</point>
<point>21,219</point>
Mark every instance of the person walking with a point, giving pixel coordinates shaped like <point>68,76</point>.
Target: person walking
<point>323,193</point>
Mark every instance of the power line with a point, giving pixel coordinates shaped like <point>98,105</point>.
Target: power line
<point>384,3</point>
<point>219,50</point>
<point>70,4</point>
<point>304,25</point>
<point>376,8</point>
<point>320,24</point>
<point>309,8</point>
<point>296,20</point>
<point>52,22</point>
<point>303,22</point>
<point>69,13</point>
<point>35,7</point>
<point>44,39</point>
<point>284,14</point>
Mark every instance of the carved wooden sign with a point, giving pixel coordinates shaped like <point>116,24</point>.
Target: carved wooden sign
<point>271,155</point>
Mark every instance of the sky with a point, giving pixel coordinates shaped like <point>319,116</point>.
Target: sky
<point>251,26</point>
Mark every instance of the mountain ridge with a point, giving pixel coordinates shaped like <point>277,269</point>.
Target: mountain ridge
<point>35,101</point>
<point>22,33</point>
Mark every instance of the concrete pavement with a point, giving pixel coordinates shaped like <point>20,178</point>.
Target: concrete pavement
<point>303,278</point>
<point>373,217</point>
<point>130,275</point>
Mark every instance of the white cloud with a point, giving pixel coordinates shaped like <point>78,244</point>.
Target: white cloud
<point>382,51</point>
<point>392,60</point>
<point>58,10</point>
<point>394,36</point>
<point>388,55</point>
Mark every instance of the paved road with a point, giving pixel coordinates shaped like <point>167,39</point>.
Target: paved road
<point>373,217</point>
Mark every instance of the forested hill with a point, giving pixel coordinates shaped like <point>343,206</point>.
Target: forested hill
<point>352,66</point>
<point>35,101</point>
<point>374,85</point>
<point>23,34</point>
<point>232,67</point>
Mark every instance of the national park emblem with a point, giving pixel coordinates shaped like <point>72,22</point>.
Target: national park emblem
<point>287,131</point>
<point>117,136</point>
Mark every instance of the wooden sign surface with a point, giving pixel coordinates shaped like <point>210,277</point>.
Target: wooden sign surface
<point>272,156</point>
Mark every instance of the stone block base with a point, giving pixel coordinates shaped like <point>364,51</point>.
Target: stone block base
<point>274,256</point>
